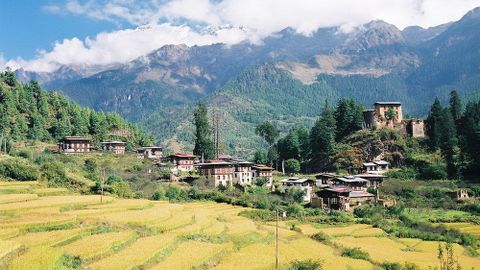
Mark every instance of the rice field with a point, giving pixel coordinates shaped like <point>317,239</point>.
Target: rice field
<point>41,228</point>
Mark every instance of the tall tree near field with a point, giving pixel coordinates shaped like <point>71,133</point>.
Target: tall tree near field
<point>434,121</point>
<point>470,135</point>
<point>349,118</point>
<point>267,131</point>
<point>448,142</point>
<point>204,146</point>
<point>322,135</point>
<point>455,105</point>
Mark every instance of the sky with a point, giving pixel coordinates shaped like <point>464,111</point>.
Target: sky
<point>41,35</point>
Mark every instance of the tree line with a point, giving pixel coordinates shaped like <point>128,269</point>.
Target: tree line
<point>27,112</point>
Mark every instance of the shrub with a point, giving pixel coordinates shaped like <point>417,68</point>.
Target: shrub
<point>433,172</point>
<point>90,165</point>
<point>259,215</point>
<point>321,237</point>
<point>356,253</point>
<point>23,153</point>
<point>403,173</point>
<point>121,189</point>
<point>55,174</point>
<point>306,265</point>
<point>292,166</point>
<point>18,169</point>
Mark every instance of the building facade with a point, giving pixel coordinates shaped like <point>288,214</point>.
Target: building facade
<point>74,144</point>
<point>115,147</point>
<point>263,171</point>
<point>218,171</point>
<point>243,173</point>
<point>183,162</point>
<point>150,152</point>
<point>304,184</point>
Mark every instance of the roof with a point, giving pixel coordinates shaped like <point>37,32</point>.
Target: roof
<point>151,147</point>
<point>296,180</point>
<point>370,175</point>
<point>388,103</point>
<point>224,156</point>
<point>263,167</point>
<point>360,194</point>
<point>351,179</point>
<point>367,164</point>
<point>381,162</point>
<point>183,155</point>
<point>337,189</point>
<point>112,142</point>
<point>214,163</point>
<point>326,174</point>
<point>76,138</point>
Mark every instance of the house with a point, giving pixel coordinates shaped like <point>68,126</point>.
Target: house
<point>350,182</point>
<point>183,162</point>
<point>263,171</point>
<point>150,152</point>
<point>459,195</point>
<point>374,180</point>
<point>74,144</point>
<point>218,171</point>
<point>115,147</point>
<point>376,167</point>
<point>381,108</point>
<point>243,174</point>
<point>301,183</point>
<point>341,198</point>
<point>325,179</point>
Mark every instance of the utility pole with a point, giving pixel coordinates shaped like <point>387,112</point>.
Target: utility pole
<point>102,183</point>
<point>276,239</point>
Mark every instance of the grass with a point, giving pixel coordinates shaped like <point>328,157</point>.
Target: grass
<point>77,231</point>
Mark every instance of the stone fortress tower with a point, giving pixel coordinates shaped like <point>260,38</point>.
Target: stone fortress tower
<point>378,117</point>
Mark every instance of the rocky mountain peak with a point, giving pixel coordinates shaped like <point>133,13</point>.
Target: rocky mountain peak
<point>375,34</point>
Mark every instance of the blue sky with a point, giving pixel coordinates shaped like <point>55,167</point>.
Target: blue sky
<point>41,35</point>
<point>26,27</point>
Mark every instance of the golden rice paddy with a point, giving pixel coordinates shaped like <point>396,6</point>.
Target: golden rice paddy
<point>41,231</point>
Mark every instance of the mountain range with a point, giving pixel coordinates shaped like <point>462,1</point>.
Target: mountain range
<point>287,78</point>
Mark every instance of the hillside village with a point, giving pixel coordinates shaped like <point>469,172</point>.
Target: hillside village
<point>325,190</point>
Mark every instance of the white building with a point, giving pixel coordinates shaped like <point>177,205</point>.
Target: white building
<point>303,184</point>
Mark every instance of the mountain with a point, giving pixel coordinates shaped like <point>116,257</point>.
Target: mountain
<point>287,78</point>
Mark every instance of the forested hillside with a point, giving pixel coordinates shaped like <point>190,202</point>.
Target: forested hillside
<point>27,112</point>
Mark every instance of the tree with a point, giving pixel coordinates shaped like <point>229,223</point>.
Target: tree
<point>349,118</point>
<point>434,121</point>
<point>322,136</point>
<point>268,131</point>
<point>289,146</point>
<point>260,157</point>
<point>391,115</point>
<point>292,166</point>
<point>448,142</point>
<point>455,105</point>
<point>204,146</point>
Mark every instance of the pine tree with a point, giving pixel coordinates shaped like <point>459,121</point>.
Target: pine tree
<point>455,105</point>
<point>322,135</point>
<point>434,121</point>
<point>448,142</point>
<point>204,146</point>
<point>349,118</point>
<point>267,131</point>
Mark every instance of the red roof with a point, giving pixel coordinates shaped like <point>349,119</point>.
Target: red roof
<point>183,155</point>
<point>262,167</point>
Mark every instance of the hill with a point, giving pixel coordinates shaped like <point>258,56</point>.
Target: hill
<point>288,75</point>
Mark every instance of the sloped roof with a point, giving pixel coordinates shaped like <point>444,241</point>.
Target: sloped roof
<point>387,103</point>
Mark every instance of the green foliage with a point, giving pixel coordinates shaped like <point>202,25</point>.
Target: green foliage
<point>305,265</point>
<point>121,189</point>
<point>29,112</point>
<point>259,215</point>
<point>356,253</point>
<point>398,266</point>
<point>322,136</point>
<point>261,157</point>
<point>349,117</point>
<point>292,165</point>
<point>18,169</point>
<point>268,131</point>
<point>55,174</point>
<point>203,143</point>
<point>321,237</point>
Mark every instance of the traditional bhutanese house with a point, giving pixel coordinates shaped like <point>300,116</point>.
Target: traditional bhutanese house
<point>218,171</point>
<point>352,182</point>
<point>183,162</point>
<point>459,195</point>
<point>303,184</point>
<point>150,152</point>
<point>74,144</point>
<point>377,167</point>
<point>116,147</point>
<point>374,180</point>
<point>341,198</point>
<point>243,174</point>
<point>325,178</point>
<point>263,171</point>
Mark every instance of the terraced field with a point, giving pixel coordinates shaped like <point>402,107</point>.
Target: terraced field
<point>44,228</point>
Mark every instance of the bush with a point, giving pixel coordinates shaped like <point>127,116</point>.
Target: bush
<point>121,189</point>
<point>433,172</point>
<point>356,253</point>
<point>306,265</point>
<point>23,153</point>
<point>259,215</point>
<point>320,237</point>
<point>292,166</point>
<point>55,174</point>
<point>404,173</point>
<point>18,169</point>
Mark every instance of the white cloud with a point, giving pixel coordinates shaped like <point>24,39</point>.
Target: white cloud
<point>122,46</point>
<point>179,21</point>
